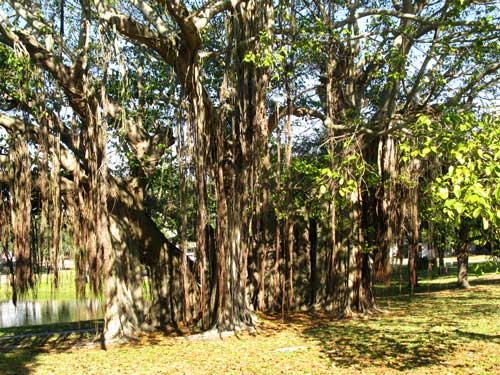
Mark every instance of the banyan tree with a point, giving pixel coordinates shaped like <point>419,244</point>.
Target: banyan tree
<point>109,109</point>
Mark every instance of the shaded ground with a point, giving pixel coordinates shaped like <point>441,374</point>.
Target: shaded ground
<point>442,330</point>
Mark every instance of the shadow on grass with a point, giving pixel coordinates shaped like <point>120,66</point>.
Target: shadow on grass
<point>360,345</point>
<point>15,362</point>
<point>478,336</point>
<point>418,332</point>
<point>19,346</point>
<point>433,284</point>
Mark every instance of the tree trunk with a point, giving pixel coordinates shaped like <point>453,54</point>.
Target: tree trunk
<point>55,219</point>
<point>414,227</point>
<point>353,271</point>
<point>137,245</point>
<point>441,247</point>
<point>388,169</point>
<point>290,259</point>
<point>124,308</point>
<point>249,140</point>
<point>463,257</point>
<point>313,241</point>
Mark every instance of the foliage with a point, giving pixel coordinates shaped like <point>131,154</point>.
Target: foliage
<point>467,149</point>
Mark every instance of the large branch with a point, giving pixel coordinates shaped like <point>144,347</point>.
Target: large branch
<point>174,50</point>
<point>191,24</point>
<point>165,47</point>
<point>202,16</point>
<point>429,21</point>
<point>282,111</point>
<point>152,16</point>
<point>190,33</point>
<point>47,61</point>
<point>15,126</point>
<point>472,83</point>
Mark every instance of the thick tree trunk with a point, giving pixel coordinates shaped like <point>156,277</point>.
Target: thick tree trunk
<point>276,272</point>
<point>388,169</point>
<point>202,144</point>
<point>249,141</point>
<point>181,155</point>
<point>124,307</point>
<point>353,271</point>
<point>137,245</point>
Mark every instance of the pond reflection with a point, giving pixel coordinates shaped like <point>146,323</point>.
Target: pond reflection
<point>47,312</point>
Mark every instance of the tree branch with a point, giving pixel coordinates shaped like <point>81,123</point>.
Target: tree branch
<point>473,81</point>
<point>15,126</point>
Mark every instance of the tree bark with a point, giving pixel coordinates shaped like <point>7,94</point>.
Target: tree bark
<point>463,257</point>
<point>20,204</point>
<point>313,240</point>
<point>414,224</point>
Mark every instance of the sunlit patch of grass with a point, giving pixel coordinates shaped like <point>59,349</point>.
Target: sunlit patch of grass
<point>44,288</point>
<point>440,331</point>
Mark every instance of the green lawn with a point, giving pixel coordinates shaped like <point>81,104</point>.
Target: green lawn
<point>45,289</point>
<point>442,330</point>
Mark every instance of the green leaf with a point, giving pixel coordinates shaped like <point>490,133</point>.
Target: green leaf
<point>443,193</point>
<point>476,212</point>
<point>486,223</point>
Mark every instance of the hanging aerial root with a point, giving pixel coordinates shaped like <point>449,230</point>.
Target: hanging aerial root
<point>20,213</point>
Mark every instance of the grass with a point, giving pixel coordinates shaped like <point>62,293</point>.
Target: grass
<point>44,289</point>
<point>442,330</point>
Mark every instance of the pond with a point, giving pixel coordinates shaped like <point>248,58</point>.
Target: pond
<point>47,312</point>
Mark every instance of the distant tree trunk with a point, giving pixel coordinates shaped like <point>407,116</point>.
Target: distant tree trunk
<point>55,218</point>
<point>290,302</point>
<point>400,256</point>
<point>332,270</point>
<point>313,240</point>
<point>432,251</point>
<point>413,247</point>
<point>463,257</point>
<point>414,226</point>
<point>276,273</point>
<point>401,232</point>
<point>441,241</point>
